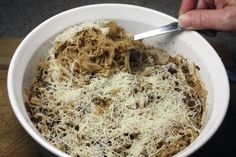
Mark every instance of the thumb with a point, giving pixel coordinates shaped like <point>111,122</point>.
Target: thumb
<point>204,19</point>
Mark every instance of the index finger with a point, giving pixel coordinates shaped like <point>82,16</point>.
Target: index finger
<point>187,5</point>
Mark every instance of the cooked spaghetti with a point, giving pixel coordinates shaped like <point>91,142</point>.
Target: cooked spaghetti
<point>98,93</point>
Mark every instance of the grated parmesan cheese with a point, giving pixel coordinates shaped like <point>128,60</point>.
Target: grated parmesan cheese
<point>70,32</point>
<point>123,114</point>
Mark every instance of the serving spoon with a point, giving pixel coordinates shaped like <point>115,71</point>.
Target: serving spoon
<point>172,27</point>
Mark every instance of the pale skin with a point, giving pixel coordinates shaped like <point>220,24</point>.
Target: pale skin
<point>219,15</point>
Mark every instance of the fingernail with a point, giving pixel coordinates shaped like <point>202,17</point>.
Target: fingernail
<point>180,13</point>
<point>184,21</point>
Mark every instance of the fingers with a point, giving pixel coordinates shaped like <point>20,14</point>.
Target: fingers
<point>202,4</point>
<point>208,14</point>
<point>221,19</point>
<point>187,5</point>
<point>211,4</point>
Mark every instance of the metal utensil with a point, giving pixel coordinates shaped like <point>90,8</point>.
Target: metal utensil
<point>172,27</point>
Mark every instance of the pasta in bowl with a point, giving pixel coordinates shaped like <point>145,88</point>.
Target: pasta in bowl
<point>102,94</point>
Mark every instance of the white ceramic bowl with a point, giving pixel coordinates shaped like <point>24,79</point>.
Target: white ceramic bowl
<point>134,19</point>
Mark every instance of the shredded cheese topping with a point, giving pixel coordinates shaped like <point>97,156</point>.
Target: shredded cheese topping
<point>153,111</point>
<point>70,32</point>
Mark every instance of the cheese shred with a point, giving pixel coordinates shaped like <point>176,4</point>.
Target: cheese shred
<point>98,93</point>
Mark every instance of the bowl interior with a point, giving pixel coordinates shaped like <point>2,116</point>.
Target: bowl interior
<point>134,19</point>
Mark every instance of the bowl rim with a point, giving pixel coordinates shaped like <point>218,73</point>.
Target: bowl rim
<point>54,150</point>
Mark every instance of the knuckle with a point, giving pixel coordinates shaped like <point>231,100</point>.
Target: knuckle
<point>229,21</point>
<point>198,20</point>
<point>228,16</point>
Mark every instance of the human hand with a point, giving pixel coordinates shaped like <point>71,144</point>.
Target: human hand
<point>217,15</point>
